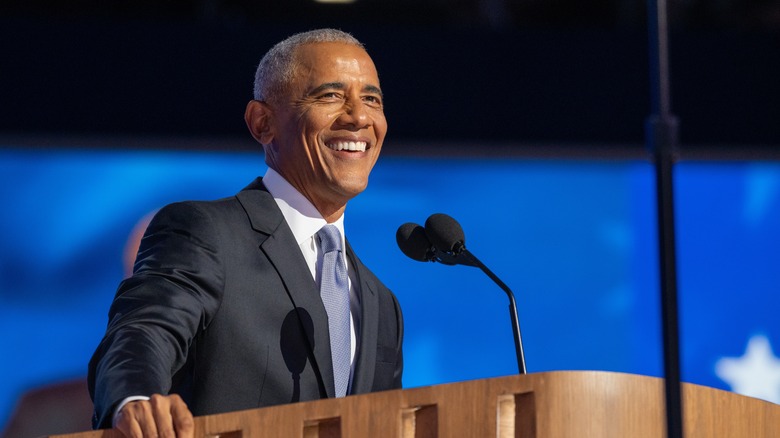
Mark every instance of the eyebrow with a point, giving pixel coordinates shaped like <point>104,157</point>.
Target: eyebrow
<point>373,89</point>
<point>341,86</point>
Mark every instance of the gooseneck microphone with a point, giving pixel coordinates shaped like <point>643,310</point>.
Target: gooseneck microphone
<point>414,242</point>
<point>442,240</point>
<point>445,233</point>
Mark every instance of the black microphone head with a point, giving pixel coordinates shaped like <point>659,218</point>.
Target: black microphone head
<point>414,242</point>
<point>445,233</point>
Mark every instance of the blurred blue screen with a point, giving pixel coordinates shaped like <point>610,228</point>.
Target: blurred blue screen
<point>575,240</point>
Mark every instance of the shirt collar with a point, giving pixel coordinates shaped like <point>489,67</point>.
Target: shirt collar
<point>301,215</point>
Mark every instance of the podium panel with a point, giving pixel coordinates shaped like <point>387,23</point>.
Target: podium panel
<point>561,404</point>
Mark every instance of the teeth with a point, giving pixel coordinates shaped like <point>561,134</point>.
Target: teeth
<point>357,146</point>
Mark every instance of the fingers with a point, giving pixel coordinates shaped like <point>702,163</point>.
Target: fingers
<point>135,420</point>
<point>160,416</point>
<point>183,422</point>
<point>161,412</point>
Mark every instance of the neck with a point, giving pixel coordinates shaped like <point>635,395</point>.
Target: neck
<point>331,214</point>
<point>331,205</point>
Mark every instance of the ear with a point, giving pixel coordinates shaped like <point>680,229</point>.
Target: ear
<point>258,118</point>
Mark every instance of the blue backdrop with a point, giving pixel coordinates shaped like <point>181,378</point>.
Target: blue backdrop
<point>575,240</point>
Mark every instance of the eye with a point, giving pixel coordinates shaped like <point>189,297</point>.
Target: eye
<point>331,95</point>
<point>373,100</point>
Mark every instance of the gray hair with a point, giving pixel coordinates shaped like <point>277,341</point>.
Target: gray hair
<point>277,67</point>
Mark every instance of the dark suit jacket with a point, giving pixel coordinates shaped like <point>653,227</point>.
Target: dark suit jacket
<point>222,310</point>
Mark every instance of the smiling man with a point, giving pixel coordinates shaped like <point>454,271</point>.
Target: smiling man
<point>258,299</point>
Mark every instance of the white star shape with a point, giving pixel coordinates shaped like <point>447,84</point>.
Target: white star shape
<point>755,374</point>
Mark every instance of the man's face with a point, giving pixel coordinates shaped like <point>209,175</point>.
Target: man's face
<point>328,127</point>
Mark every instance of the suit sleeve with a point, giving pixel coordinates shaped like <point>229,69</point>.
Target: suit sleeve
<point>173,294</point>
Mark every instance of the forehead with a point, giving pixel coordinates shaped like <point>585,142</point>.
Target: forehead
<point>327,61</point>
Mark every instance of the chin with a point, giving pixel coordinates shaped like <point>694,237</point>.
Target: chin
<point>353,189</point>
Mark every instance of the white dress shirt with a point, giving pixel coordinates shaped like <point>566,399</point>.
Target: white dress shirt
<point>305,221</point>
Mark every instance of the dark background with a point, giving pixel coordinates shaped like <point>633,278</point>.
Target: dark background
<point>560,72</point>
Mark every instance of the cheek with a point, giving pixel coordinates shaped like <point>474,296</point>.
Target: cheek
<point>380,125</point>
<point>314,130</point>
<point>323,119</point>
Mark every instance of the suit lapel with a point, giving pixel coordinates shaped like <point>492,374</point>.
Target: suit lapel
<point>280,248</point>
<point>363,376</point>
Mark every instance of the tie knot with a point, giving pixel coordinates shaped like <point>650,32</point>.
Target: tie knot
<point>330,238</point>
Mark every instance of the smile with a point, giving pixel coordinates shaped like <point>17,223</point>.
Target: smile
<point>352,146</point>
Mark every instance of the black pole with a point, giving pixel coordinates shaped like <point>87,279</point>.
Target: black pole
<point>467,258</point>
<point>661,138</point>
<point>521,369</point>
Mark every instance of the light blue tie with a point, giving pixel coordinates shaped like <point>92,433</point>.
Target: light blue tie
<point>334,291</point>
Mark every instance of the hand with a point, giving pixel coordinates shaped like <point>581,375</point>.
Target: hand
<point>160,416</point>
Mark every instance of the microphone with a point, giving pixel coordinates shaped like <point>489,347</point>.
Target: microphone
<point>445,233</point>
<point>413,241</point>
<point>442,240</point>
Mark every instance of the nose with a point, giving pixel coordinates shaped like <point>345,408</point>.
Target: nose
<point>354,115</point>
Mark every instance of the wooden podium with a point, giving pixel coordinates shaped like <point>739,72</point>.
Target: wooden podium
<point>544,405</point>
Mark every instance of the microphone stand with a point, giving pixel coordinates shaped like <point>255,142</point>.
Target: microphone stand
<point>463,256</point>
<point>661,137</point>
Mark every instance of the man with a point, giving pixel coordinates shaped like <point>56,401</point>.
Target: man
<point>236,303</point>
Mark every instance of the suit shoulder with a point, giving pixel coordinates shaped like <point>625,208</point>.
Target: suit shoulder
<point>203,210</point>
